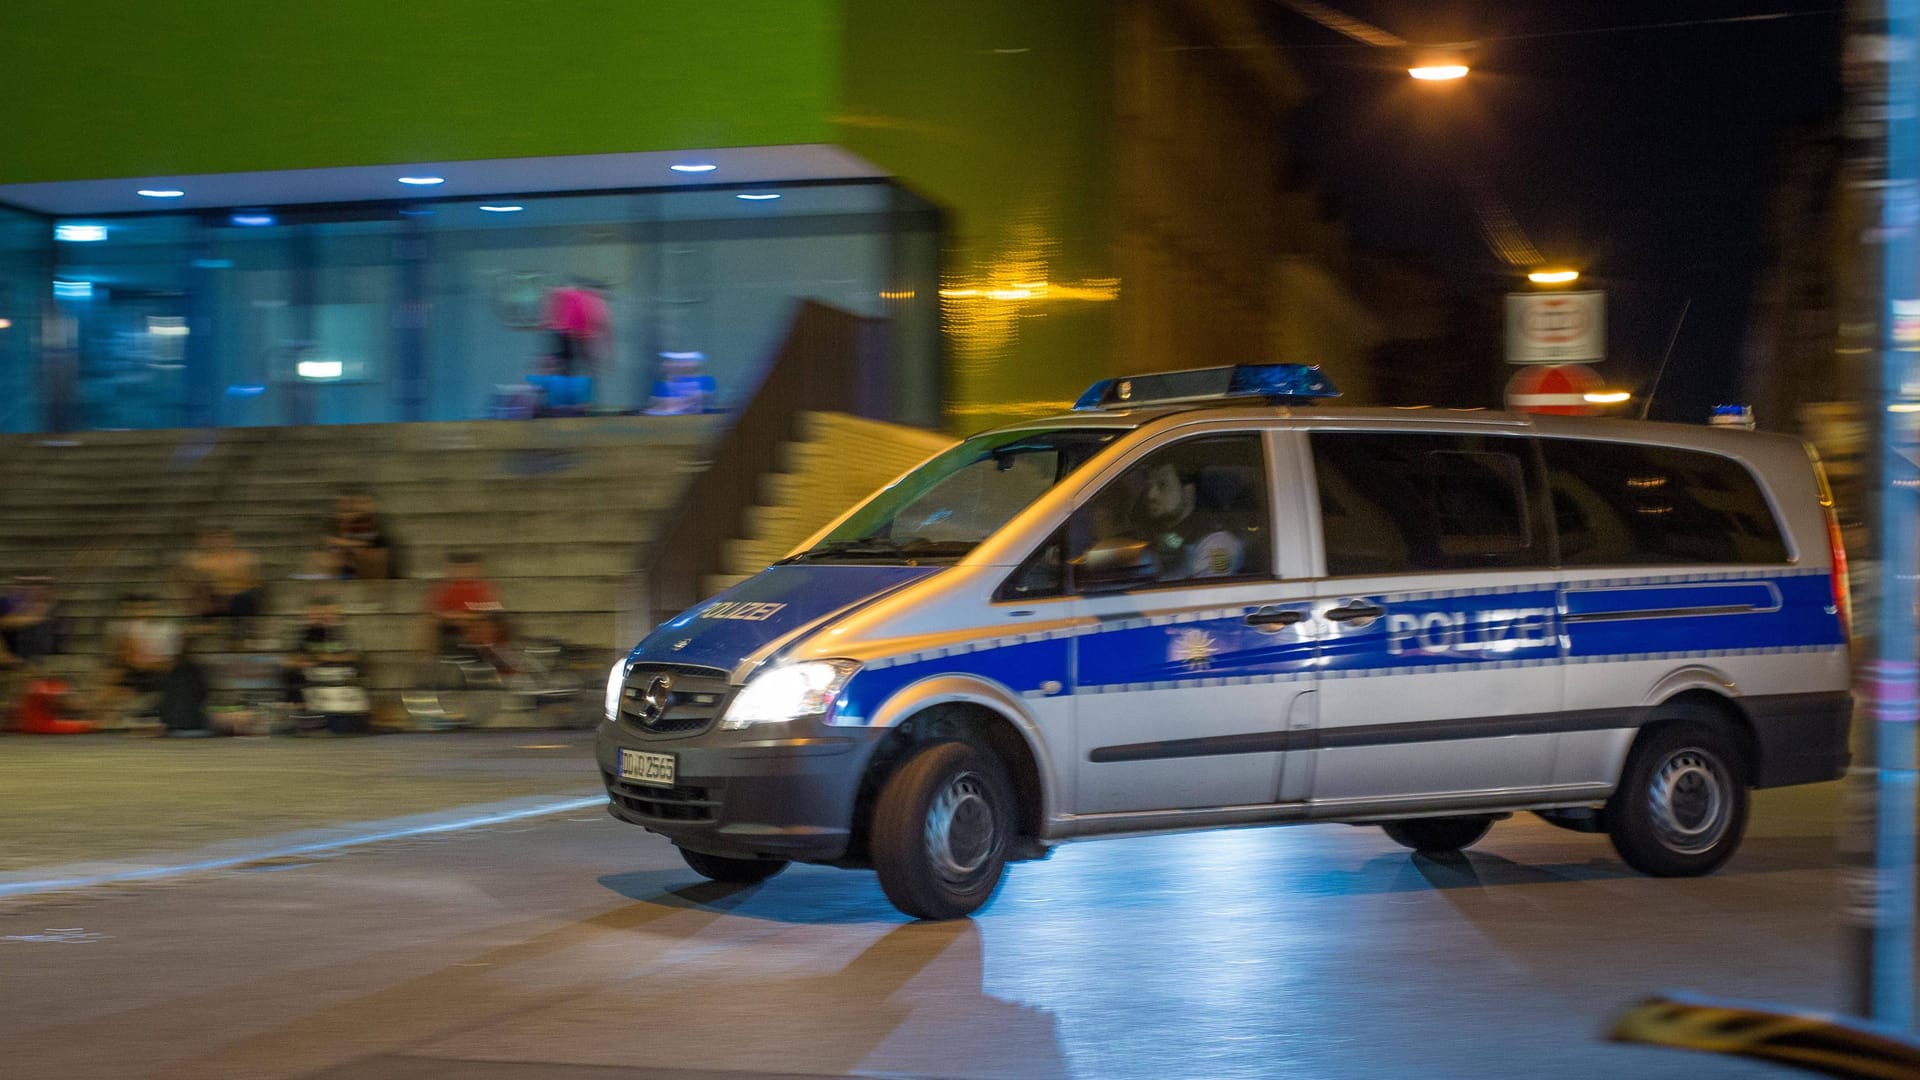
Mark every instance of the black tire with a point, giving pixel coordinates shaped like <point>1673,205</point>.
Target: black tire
<point>732,871</point>
<point>1438,835</point>
<point>1681,807</point>
<point>941,829</point>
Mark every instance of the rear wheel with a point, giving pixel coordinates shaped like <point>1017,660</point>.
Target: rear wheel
<point>1681,807</point>
<point>732,871</point>
<point>1438,836</point>
<point>941,829</point>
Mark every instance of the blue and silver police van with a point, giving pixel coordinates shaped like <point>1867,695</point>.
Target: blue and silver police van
<point>1201,600</point>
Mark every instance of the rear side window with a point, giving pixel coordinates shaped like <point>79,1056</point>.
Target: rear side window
<point>1392,502</point>
<point>1618,504</point>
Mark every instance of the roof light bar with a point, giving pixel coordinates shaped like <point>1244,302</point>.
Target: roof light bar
<point>1275,383</point>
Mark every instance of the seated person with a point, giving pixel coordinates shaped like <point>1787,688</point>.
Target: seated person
<point>321,639</point>
<point>682,389</point>
<point>465,610</point>
<point>225,579</point>
<point>1189,543</point>
<point>142,650</point>
<point>358,540</point>
<point>29,627</point>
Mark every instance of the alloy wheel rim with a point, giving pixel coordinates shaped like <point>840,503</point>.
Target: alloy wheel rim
<point>1690,799</point>
<point>960,829</point>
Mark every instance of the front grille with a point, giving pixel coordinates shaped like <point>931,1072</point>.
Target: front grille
<point>694,698</point>
<point>664,804</point>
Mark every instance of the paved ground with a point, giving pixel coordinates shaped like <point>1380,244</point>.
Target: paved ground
<point>85,798</point>
<point>571,946</point>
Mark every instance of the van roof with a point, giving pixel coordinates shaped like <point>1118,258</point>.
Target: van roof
<point>1411,418</point>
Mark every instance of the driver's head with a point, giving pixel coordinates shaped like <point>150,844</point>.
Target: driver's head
<point>1167,499</point>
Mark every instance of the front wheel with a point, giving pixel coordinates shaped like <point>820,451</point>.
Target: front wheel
<point>1681,807</point>
<point>941,829</point>
<point>732,871</point>
<point>1438,836</point>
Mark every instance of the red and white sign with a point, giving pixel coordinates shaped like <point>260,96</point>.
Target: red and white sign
<point>1556,327</point>
<point>1554,389</point>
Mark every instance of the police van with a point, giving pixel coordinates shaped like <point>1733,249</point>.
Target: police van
<point>1199,600</point>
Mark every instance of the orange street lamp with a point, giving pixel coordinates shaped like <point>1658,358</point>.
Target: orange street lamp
<point>1553,277</point>
<point>1438,72</point>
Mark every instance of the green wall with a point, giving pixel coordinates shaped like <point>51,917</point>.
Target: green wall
<point>1001,111</point>
<point>118,88</point>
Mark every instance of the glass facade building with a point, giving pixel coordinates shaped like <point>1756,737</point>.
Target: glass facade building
<point>424,309</point>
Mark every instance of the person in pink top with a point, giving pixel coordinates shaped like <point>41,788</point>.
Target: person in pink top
<point>578,319</point>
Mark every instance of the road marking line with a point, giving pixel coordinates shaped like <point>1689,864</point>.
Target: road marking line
<point>149,873</point>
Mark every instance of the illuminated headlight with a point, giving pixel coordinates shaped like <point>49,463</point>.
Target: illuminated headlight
<point>790,692</point>
<point>615,680</point>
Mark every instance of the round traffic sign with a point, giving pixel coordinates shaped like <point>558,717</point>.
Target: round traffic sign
<point>1555,389</point>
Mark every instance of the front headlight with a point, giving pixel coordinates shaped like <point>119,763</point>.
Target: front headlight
<point>615,680</point>
<point>789,692</point>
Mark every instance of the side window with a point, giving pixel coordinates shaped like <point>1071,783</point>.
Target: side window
<point>1397,501</point>
<point>1196,510</point>
<point>1626,504</point>
<point>1044,574</point>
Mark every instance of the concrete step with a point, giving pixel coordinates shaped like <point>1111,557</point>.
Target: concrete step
<point>532,594</point>
<point>378,632</point>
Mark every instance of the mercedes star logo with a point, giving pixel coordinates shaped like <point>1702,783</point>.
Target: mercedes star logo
<point>656,697</point>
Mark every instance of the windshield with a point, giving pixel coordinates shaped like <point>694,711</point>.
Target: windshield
<point>946,507</point>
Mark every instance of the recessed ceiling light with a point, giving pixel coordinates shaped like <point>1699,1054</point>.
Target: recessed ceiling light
<point>756,196</point>
<point>255,219</point>
<point>423,181</point>
<point>509,209</point>
<point>160,193</point>
<point>698,167</point>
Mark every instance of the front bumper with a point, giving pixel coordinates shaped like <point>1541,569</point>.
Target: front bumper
<point>782,791</point>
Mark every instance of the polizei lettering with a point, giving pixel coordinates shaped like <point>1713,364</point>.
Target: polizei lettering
<point>1469,631</point>
<point>745,612</point>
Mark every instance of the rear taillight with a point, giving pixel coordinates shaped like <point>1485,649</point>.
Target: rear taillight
<point>1836,549</point>
<point>1842,592</point>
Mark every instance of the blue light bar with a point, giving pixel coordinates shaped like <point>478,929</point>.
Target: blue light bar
<point>1274,383</point>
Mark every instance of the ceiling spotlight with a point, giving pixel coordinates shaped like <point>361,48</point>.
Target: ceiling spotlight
<point>423,181</point>
<point>699,167</point>
<point>160,193</point>
<point>80,234</point>
<point>254,219</point>
<point>508,209</point>
<point>756,196</point>
<point>1439,72</point>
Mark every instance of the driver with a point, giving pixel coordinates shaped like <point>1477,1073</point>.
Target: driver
<point>1186,544</point>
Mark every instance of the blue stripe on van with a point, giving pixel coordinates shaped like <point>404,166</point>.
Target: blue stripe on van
<point>1654,601</point>
<point>1687,617</point>
<point>1418,632</point>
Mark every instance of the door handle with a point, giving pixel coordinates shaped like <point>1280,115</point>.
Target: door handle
<point>1273,618</point>
<point>1357,611</point>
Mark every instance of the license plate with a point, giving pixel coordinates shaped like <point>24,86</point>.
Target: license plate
<point>644,768</point>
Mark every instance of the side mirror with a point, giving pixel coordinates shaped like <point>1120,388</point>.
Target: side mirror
<point>1114,565</point>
